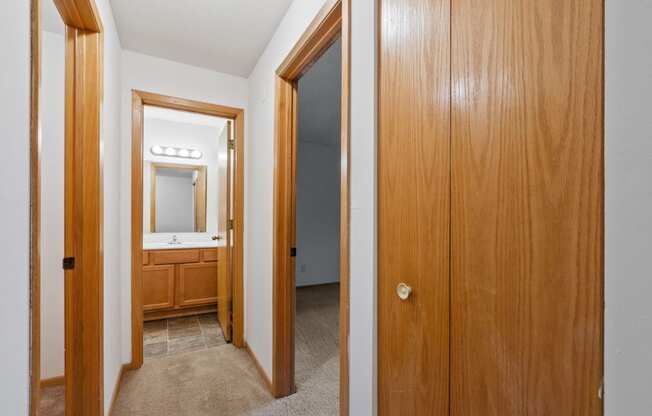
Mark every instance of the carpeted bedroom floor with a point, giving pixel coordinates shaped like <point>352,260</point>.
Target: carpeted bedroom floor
<point>222,380</point>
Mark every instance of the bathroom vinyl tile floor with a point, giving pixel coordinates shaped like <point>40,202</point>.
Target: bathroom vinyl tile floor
<point>179,335</point>
<point>223,380</point>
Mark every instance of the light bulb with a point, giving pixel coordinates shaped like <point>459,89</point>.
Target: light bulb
<point>157,150</point>
<point>170,151</point>
<point>196,154</point>
<point>184,152</point>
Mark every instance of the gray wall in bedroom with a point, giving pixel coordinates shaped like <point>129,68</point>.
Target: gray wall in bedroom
<point>318,171</point>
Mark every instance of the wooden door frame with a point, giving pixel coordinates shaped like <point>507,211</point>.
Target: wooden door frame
<point>139,100</point>
<point>84,303</point>
<point>332,21</point>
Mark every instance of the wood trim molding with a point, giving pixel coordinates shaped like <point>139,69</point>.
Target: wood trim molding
<point>259,368</point>
<point>333,20</point>
<point>283,302</point>
<point>52,381</point>
<point>83,206</point>
<point>139,100</point>
<point>137,314</point>
<point>345,210</point>
<point>320,34</point>
<point>80,14</point>
<point>84,223</point>
<point>35,210</point>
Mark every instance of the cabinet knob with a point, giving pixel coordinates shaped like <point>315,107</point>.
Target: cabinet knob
<point>403,291</point>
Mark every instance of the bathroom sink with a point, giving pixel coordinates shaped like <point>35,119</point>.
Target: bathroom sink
<point>181,244</point>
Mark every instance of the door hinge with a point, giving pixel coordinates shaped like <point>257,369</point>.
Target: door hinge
<point>68,263</point>
<point>231,144</point>
<point>293,251</point>
<point>229,224</point>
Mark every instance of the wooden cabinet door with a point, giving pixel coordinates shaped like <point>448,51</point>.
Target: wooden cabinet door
<point>197,284</point>
<point>158,287</point>
<point>527,205</point>
<point>413,207</point>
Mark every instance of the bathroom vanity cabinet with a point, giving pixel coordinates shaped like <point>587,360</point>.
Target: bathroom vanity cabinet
<point>179,282</point>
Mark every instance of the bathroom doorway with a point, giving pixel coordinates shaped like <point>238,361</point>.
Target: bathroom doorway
<point>187,223</point>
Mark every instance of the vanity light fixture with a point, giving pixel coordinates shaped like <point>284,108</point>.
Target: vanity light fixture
<point>176,152</point>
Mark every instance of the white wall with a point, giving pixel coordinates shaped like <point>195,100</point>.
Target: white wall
<point>146,73</point>
<point>318,215</point>
<point>318,171</point>
<point>112,196</point>
<point>259,194</point>
<point>628,208</point>
<point>259,165</point>
<point>362,341</point>
<point>52,204</point>
<point>14,206</point>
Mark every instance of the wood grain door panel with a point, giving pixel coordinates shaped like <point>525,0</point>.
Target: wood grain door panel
<point>197,284</point>
<point>158,287</point>
<point>413,207</point>
<point>224,300</point>
<point>527,202</point>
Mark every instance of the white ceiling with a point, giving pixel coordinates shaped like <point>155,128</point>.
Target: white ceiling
<point>223,35</point>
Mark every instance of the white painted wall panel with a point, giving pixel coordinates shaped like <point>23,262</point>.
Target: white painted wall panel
<point>14,206</point>
<point>628,208</point>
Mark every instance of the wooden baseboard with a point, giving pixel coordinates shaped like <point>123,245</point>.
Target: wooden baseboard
<point>177,313</point>
<point>118,384</point>
<point>53,381</point>
<point>259,368</point>
<point>317,285</point>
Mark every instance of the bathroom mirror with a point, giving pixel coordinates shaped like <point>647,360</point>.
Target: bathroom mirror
<point>177,198</point>
<point>180,191</point>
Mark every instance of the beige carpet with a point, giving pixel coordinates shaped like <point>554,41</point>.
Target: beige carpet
<point>53,401</point>
<point>223,380</point>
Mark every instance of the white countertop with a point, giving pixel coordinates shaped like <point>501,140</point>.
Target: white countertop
<point>183,244</point>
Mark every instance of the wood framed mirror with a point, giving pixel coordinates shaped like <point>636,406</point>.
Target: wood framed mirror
<point>178,197</point>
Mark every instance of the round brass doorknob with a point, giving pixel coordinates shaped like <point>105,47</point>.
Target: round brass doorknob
<point>403,291</point>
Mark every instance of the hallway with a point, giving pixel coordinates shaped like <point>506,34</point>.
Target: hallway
<point>223,380</point>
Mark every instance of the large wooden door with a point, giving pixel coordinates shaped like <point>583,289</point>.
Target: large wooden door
<point>527,202</point>
<point>225,232</point>
<point>490,206</point>
<point>413,207</point>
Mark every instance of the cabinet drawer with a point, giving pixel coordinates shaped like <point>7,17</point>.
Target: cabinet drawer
<point>197,284</point>
<point>158,287</point>
<point>145,258</point>
<point>174,256</point>
<point>209,254</point>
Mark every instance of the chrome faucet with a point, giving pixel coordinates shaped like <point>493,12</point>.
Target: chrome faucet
<point>174,240</point>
